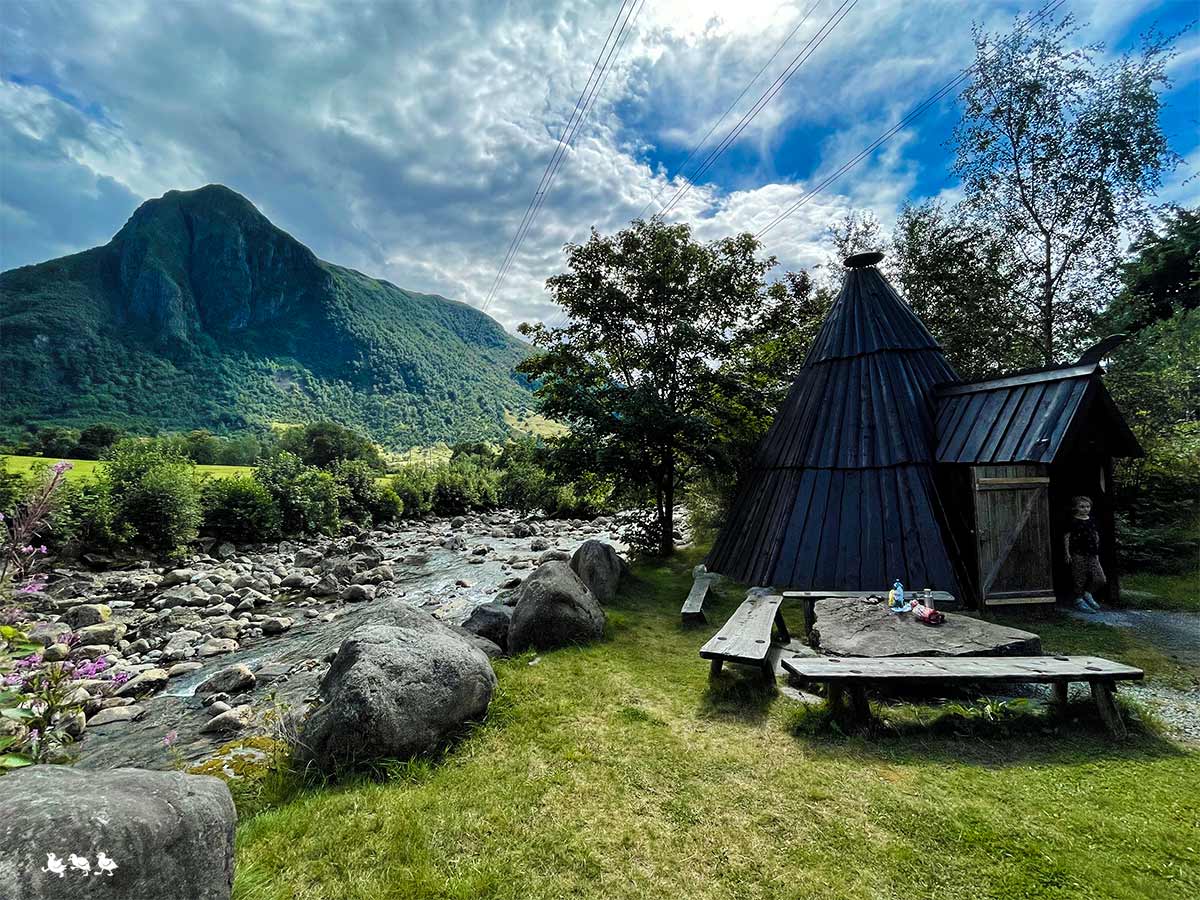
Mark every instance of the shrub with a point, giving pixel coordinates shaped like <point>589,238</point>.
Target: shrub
<point>462,487</point>
<point>525,487</point>
<point>309,500</point>
<point>388,506</point>
<point>86,517</point>
<point>240,509</point>
<point>13,487</point>
<point>414,485</point>
<point>163,508</point>
<point>155,494</point>
<point>365,500</point>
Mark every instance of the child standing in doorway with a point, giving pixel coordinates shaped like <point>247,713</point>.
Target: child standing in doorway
<point>1082,543</point>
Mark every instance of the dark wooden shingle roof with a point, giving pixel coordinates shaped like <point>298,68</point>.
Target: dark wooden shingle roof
<point>840,495</point>
<point>1028,418</point>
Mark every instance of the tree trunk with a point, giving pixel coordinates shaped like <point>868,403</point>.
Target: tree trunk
<point>1048,309</point>
<point>666,519</point>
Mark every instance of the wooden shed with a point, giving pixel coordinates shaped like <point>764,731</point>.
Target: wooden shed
<point>1011,453</point>
<point>882,465</point>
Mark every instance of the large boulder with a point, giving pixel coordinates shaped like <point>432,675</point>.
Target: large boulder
<point>599,567</point>
<point>395,691</point>
<point>554,609</point>
<point>138,833</point>
<point>491,621</point>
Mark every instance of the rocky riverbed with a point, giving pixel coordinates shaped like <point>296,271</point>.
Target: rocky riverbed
<point>265,620</point>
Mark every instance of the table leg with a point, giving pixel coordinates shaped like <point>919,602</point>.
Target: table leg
<point>714,668</point>
<point>1058,695</point>
<point>860,709</point>
<point>1103,694</point>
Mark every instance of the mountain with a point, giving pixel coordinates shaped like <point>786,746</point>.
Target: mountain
<point>200,313</point>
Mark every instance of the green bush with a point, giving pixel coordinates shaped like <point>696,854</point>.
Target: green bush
<point>86,516</point>
<point>525,487</point>
<point>240,509</point>
<point>155,494</point>
<point>388,506</point>
<point>309,500</point>
<point>414,485</point>
<point>464,486</point>
<point>365,501</point>
<point>13,488</point>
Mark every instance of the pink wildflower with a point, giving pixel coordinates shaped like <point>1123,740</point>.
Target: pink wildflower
<point>62,466</point>
<point>170,738</point>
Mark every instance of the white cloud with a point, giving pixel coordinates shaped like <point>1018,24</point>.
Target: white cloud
<point>406,139</point>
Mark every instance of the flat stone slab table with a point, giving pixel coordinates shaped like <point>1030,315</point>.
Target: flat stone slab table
<point>850,627</point>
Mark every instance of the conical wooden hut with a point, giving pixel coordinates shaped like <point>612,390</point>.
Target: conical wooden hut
<point>883,465</point>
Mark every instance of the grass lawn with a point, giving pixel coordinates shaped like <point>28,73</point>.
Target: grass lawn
<point>1148,591</point>
<point>617,771</point>
<point>87,468</point>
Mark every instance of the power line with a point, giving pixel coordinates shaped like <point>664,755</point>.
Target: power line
<point>769,94</point>
<point>941,92</point>
<point>553,161</point>
<point>629,11</point>
<point>730,108</point>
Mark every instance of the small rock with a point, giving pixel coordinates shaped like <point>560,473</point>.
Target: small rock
<point>56,653</point>
<point>183,668</point>
<point>358,593</point>
<point>276,625</point>
<point>144,683</point>
<point>87,614</point>
<point>103,633</point>
<point>231,720</point>
<point>228,681</point>
<point>217,646</point>
<point>176,576</point>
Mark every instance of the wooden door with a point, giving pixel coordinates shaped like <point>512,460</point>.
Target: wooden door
<point>1012,525</point>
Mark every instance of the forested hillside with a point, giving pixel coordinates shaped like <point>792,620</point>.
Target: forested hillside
<point>200,313</point>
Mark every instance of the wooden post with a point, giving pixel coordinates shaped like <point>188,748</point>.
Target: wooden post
<point>785,636</point>
<point>1059,695</point>
<point>714,668</point>
<point>836,700</point>
<point>810,616</point>
<point>1103,694</point>
<point>860,709</point>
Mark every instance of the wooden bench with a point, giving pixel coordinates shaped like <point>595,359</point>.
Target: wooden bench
<point>746,637</point>
<point>853,674</point>
<point>693,606</point>
<point>808,601</point>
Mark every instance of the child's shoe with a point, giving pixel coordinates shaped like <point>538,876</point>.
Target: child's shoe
<point>1091,602</point>
<point>1082,605</point>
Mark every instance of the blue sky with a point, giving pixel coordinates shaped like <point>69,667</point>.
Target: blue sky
<point>405,139</point>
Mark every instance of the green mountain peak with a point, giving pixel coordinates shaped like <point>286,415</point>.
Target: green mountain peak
<point>202,313</point>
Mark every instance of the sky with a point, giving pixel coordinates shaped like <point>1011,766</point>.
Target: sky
<point>406,139</point>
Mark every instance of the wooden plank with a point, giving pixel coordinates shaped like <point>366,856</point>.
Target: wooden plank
<point>1047,669</point>
<point>1020,599</point>
<point>746,637</point>
<point>693,606</point>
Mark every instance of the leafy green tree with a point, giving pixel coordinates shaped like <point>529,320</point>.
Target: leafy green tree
<point>322,444</point>
<point>1059,149</point>
<point>94,440</point>
<point>653,316</point>
<point>964,283</point>
<point>1163,276</point>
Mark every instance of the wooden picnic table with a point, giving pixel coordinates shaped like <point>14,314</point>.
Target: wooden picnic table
<point>853,674</point>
